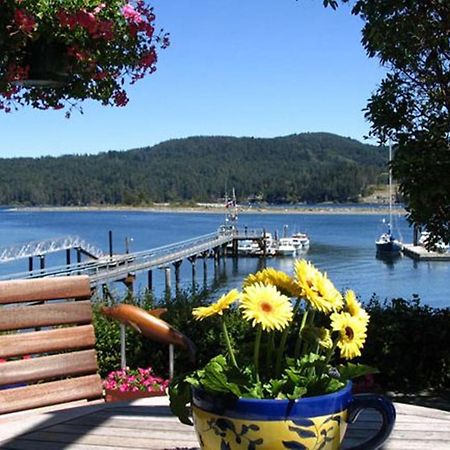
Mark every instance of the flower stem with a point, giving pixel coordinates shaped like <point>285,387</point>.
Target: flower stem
<point>228,343</point>
<point>300,332</point>
<point>283,340</point>
<point>330,352</point>
<point>269,353</point>
<point>280,352</point>
<point>256,352</point>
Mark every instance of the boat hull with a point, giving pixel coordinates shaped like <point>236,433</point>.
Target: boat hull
<point>392,247</point>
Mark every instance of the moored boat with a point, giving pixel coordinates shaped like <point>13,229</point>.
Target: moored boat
<point>300,241</point>
<point>386,244</point>
<point>286,247</point>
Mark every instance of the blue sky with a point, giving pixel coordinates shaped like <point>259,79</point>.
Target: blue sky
<point>258,68</point>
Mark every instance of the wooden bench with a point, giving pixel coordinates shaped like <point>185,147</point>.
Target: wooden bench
<point>49,322</point>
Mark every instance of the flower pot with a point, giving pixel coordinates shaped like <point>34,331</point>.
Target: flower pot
<point>308,423</point>
<point>114,395</point>
<point>48,64</point>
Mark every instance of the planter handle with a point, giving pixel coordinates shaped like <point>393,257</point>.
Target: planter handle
<point>381,404</point>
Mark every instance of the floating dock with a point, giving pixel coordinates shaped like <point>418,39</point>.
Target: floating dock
<point>420,253</point>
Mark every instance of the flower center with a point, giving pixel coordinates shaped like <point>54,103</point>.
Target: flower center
<point>266,307</point>
<point>349,333</point>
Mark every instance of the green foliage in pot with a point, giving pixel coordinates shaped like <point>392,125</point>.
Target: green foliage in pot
<point>299,332</point>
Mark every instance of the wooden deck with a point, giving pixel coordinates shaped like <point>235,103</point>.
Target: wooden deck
<point>148,424</point>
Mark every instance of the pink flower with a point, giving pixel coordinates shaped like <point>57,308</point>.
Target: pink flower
<point>99,8</point>
<point>16,72</point>
<point>120,98</point>
<point>24,20</point>
<point>87,20</point>
<point>148,59</point>
<point>80,55</point>
<point>105,30</point>
<point>101,75</point>
<point>131,14</point>
<point>146,28</point>
<point>130,380</point>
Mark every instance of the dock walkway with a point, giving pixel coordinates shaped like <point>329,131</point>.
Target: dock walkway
<point>420,253</point>
<point>148,424</point>
<point>117,267</point>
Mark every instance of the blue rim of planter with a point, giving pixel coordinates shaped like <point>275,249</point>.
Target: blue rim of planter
<point>272,409</point>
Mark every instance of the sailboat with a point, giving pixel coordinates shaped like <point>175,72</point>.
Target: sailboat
<point>386,244</point>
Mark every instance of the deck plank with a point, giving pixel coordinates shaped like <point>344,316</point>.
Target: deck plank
<point>148,424</point>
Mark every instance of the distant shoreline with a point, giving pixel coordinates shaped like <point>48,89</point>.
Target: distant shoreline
<point>324,210</point>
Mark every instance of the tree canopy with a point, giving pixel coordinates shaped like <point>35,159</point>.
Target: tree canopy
<point>411,106</point>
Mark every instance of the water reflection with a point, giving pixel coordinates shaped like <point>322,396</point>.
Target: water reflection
<point>389,259</point>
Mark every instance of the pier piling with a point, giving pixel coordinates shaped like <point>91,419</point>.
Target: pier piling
<point>150,280</point>
<point>168,282</point>
<point>177,265</point>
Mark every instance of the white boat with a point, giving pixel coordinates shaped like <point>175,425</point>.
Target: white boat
<point>386,244</point>
<point>286,247</point>
<point>300,241</point>
<point>265,247</point>
<point>246,247</point>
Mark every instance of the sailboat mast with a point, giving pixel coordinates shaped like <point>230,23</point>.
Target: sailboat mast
<point>390,186</point>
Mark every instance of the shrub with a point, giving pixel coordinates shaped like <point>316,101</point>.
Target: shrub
<point>409,343</point>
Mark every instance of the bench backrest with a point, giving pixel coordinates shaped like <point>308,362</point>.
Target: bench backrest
<point>47,339</point>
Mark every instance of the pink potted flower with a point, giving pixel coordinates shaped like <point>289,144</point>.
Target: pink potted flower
<point>129,384</point>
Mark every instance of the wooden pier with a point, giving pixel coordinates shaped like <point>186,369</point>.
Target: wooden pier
<point>104,269</point>
<point>420,253</point>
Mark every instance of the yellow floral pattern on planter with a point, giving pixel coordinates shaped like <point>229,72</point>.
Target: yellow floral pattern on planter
<point>224,433</point>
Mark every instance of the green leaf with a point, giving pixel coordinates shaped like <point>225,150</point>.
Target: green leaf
<point>180,397</point>
<point>299,391</point>
<point>350,370</point>
<point>215,378</point>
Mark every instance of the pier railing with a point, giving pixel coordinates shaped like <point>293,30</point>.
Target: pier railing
<point>110,268</point>
<point>39,248</point>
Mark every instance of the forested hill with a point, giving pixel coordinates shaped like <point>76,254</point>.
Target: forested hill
<point>312,167</point>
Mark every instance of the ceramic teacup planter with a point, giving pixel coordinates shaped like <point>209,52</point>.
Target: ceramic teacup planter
<point>291,389</point>
<point>313,423</point>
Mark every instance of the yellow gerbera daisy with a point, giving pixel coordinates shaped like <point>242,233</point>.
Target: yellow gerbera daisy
<point>306,276</point>
<point>328,297</point>
<point>263,305</point>
<point>352,334</point>
<point>317,289</point>
<point>285,284</point>
<point>354,307</point>
<point>222,304</point>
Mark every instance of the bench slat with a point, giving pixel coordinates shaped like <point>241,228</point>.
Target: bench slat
<point>47,367</point>
<point>45,394</point>
<point>48,341</point>
<point>45,315</point>
<point>19,291</point>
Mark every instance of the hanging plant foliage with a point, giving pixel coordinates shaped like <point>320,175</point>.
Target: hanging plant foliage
<point>56,53</point>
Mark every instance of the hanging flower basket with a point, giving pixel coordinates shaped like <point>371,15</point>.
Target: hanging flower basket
<point>55,54</point>
<point>48,64</point>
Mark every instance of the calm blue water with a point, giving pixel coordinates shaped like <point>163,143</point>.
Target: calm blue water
<point>342,245</point>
